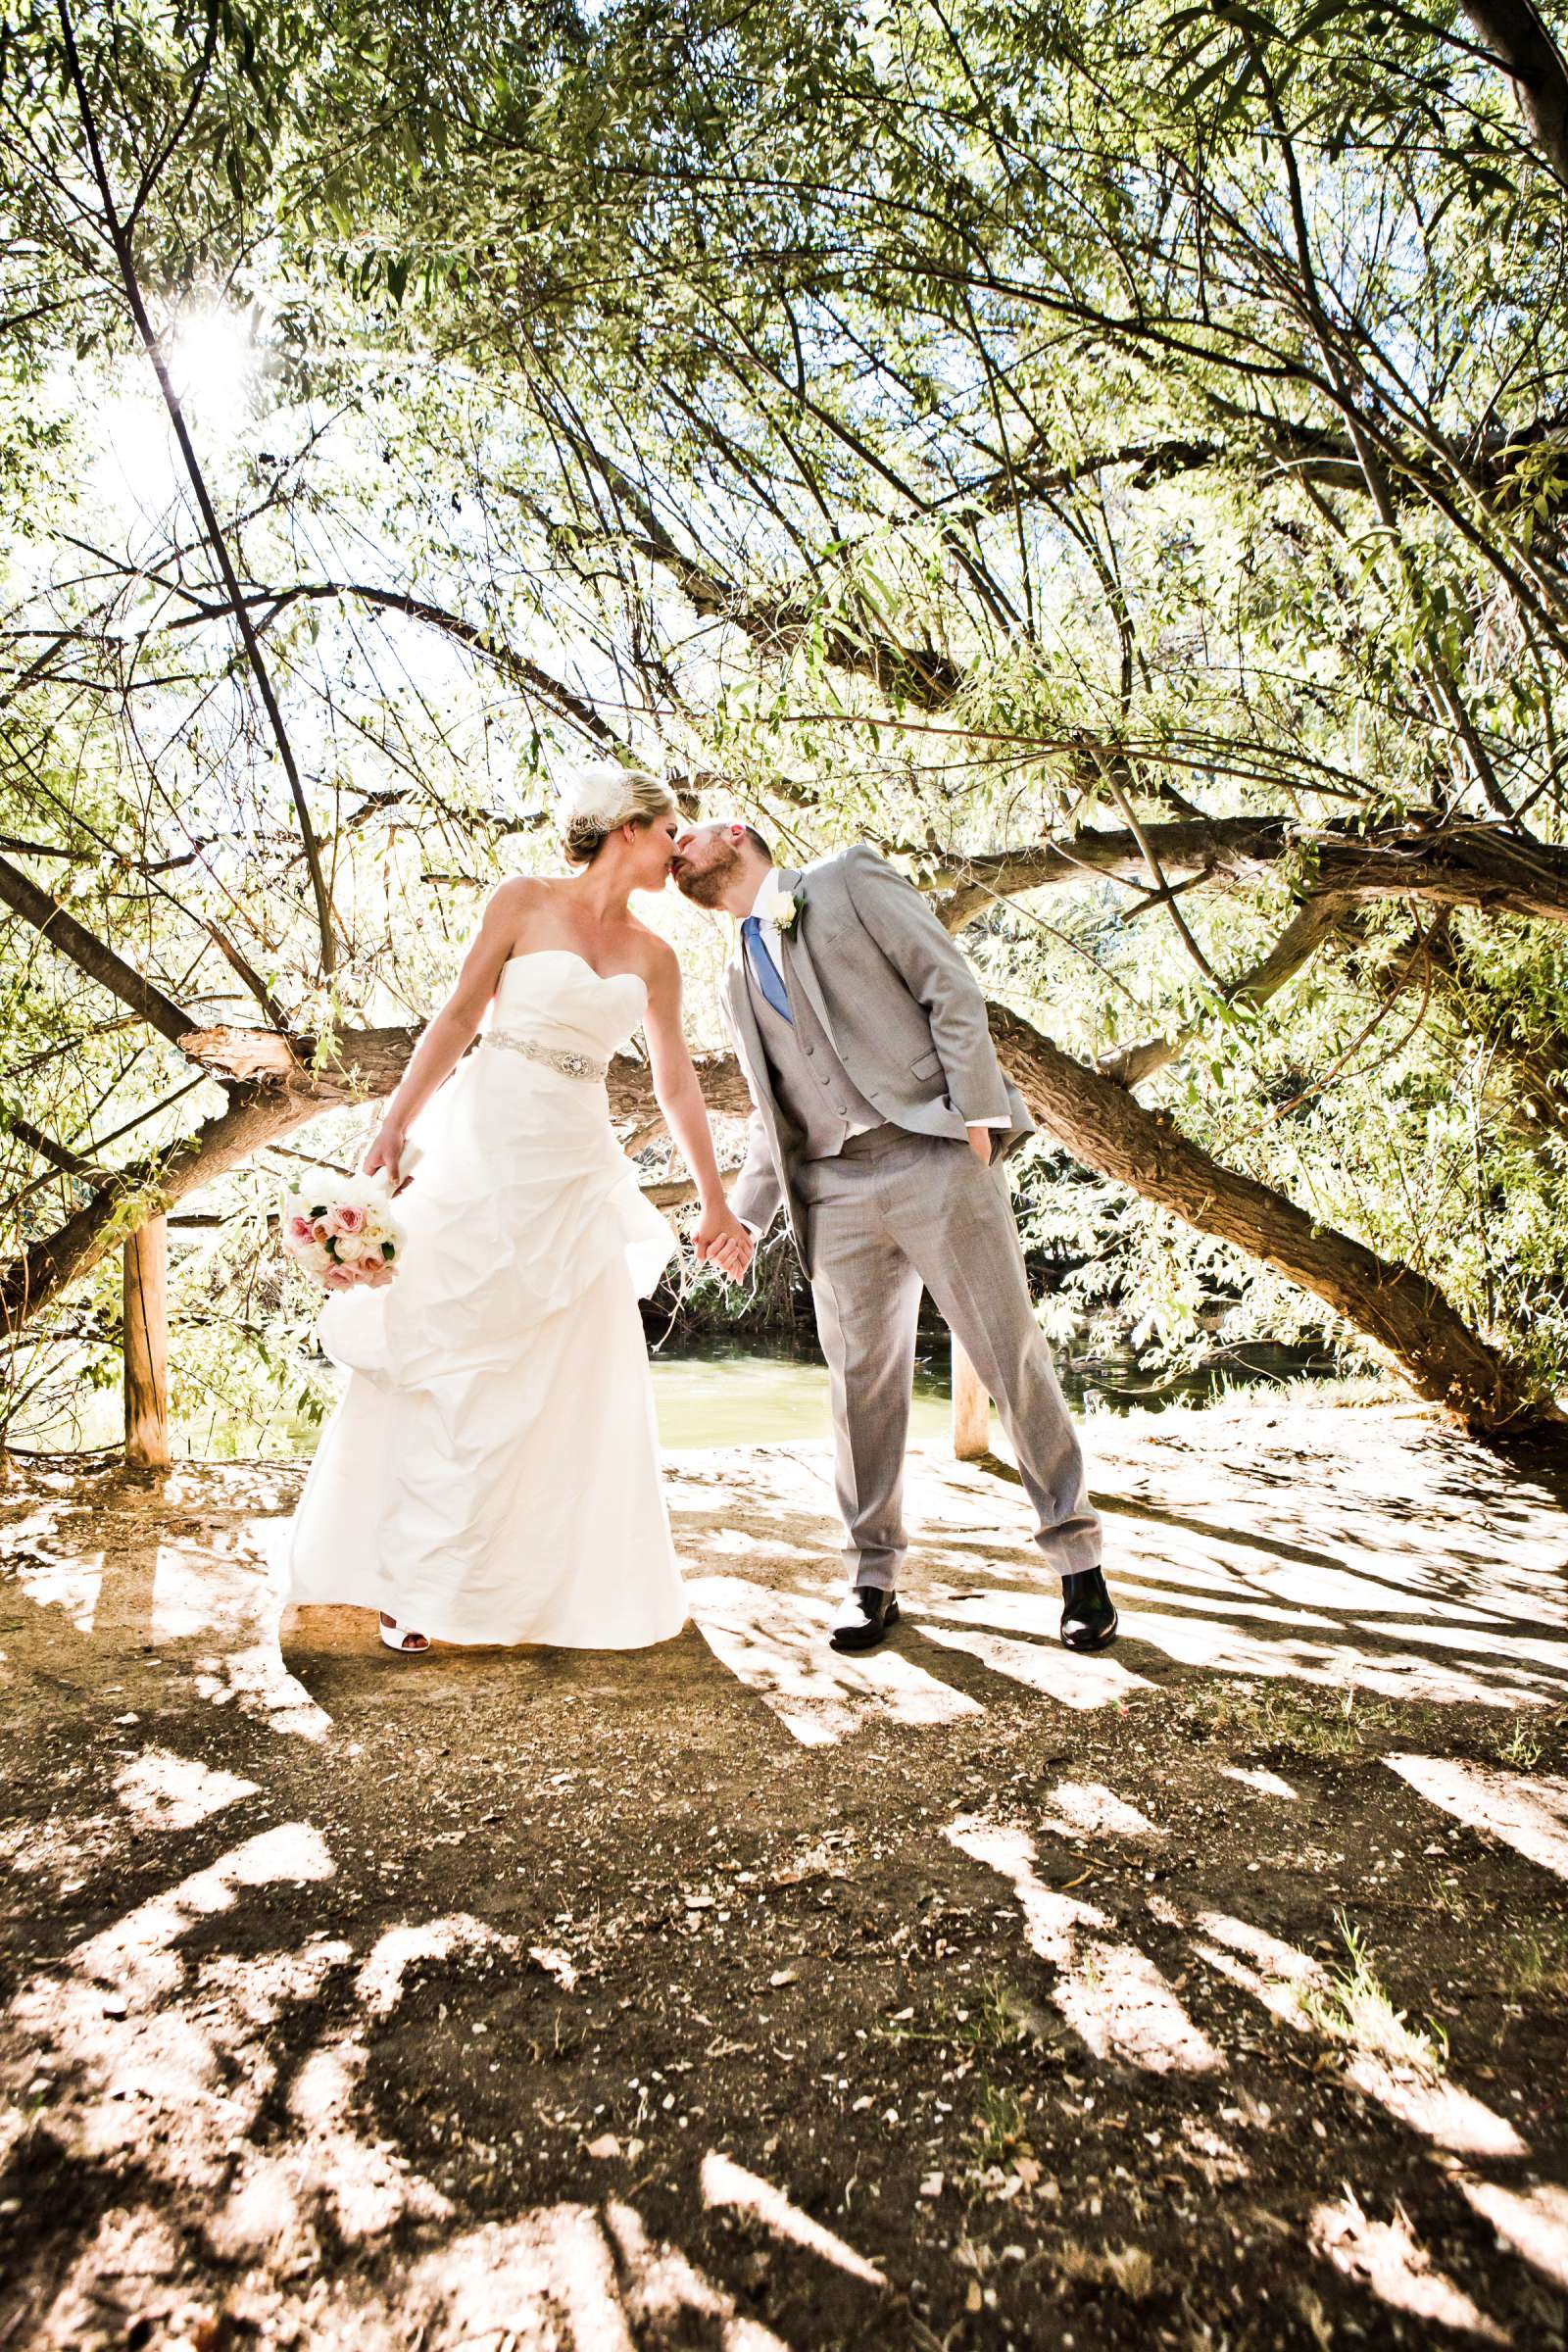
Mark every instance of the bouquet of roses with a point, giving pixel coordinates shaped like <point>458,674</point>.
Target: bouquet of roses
<point>342,1231</point>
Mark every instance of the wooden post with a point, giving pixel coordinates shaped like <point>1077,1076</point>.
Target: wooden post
<point>971,1410</point>
<point>146,1346</point>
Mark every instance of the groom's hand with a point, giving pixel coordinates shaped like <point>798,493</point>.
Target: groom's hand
<point>980,1139</point>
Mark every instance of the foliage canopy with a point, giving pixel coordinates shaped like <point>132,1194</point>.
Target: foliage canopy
<point>1114,458</point>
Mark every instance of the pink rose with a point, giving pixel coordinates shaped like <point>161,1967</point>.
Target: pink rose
<point>321,1228</point>
<point>300,1229</point>
<point>346,1218</point>
<point>373,1276</point>
<point>341,1278</point>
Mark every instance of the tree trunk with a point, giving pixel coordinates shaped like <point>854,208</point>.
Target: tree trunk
<point>971,1410</point>
<point>1406,1316</point>
<point>272,1091</point>
<point>146,1346</point>
<point>255,1117</point>
<point>1092,1117</point>
<point>1534,65</point>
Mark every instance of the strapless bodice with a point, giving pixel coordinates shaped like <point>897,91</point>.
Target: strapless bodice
<point>522,1195</point>
<point>553,996</point>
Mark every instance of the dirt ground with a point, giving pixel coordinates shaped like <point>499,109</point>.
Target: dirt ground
<point>734,1995</point>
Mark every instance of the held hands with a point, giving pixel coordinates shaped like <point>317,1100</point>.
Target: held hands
<point>722,1241</point>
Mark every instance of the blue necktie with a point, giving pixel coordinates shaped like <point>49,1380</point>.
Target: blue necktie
<point>764,971</point>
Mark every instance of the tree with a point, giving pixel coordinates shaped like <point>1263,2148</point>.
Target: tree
<point>1136,500</point>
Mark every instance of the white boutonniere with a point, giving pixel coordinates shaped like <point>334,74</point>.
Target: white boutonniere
<point>781,909</point>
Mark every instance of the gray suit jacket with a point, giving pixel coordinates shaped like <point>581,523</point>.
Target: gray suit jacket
<point>903,1009</point>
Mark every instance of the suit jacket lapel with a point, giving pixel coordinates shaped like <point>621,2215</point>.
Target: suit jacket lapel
<point>750,1036</point>
<point>794,956</point>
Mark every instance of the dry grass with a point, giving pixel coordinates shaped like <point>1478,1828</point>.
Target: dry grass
<point>1535,1963</point>
<point>1129,2269</point>
<point>997,2134</point>
<point>1279,1721</point>
<point>1356,2007</point>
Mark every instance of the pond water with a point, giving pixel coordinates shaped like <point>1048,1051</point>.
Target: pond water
<point>715,1390</point>
<point>737,1393</point>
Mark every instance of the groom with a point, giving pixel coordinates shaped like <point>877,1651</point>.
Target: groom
<point>881,1115</point>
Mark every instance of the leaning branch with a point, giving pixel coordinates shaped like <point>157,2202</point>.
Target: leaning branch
<point>1296,944</point>
<point>280,1082</point>
<point>1100,1123</point>
<point>1405,1316</point>
<point>35,905</point>
<point>1473,865</point>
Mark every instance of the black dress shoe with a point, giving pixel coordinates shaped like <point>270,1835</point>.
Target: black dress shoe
<point>865,1619</point>
<point>1088,1612</point>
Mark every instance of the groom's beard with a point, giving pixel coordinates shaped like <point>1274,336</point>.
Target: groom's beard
<point>707,885</point>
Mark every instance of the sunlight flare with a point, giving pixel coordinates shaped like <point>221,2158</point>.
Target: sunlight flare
<point>211,357</point>
<point>1529,1814</point>
<point>726,2183</point>
<point>164,1792</point>
<point>1111,1994</point>
<point>1386,2257</point>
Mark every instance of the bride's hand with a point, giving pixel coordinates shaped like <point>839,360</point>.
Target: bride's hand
<point>386,1151</point>
<point>722,1241</point>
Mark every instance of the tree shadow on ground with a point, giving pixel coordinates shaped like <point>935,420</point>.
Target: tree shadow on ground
<point>737,1995</point>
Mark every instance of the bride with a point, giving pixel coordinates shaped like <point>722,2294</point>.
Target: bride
<point>492,1472</point>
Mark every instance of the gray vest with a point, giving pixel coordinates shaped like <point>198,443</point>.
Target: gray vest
<point>811,1086</point>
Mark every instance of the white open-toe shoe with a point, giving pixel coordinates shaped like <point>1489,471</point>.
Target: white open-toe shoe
<point>401,1637</point>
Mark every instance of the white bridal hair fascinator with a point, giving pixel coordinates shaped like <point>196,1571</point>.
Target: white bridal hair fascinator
<point>603,794</point>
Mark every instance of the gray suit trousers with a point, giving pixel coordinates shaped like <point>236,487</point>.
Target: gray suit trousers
<point>893,1212</point>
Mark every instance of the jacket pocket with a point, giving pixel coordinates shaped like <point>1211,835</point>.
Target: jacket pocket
<point>927,1066</point>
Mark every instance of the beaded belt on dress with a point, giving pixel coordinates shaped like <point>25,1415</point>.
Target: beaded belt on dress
<point>570,1065</point>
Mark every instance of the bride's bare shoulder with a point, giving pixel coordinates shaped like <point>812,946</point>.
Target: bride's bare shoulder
<point>523,890</point>
<point>651,946</point>
<point>514,903</point>
<point>656,957</point>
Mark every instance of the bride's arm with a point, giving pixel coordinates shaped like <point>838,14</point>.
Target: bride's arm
<point>720,1236</point>
<point>448,1037</point>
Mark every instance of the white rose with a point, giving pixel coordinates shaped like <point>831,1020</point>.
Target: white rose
<point>317,1188</point>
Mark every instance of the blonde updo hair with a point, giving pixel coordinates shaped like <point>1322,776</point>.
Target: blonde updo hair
<point>597,801</point>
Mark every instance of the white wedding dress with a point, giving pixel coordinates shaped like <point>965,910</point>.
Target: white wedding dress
<point>492,1472</point>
